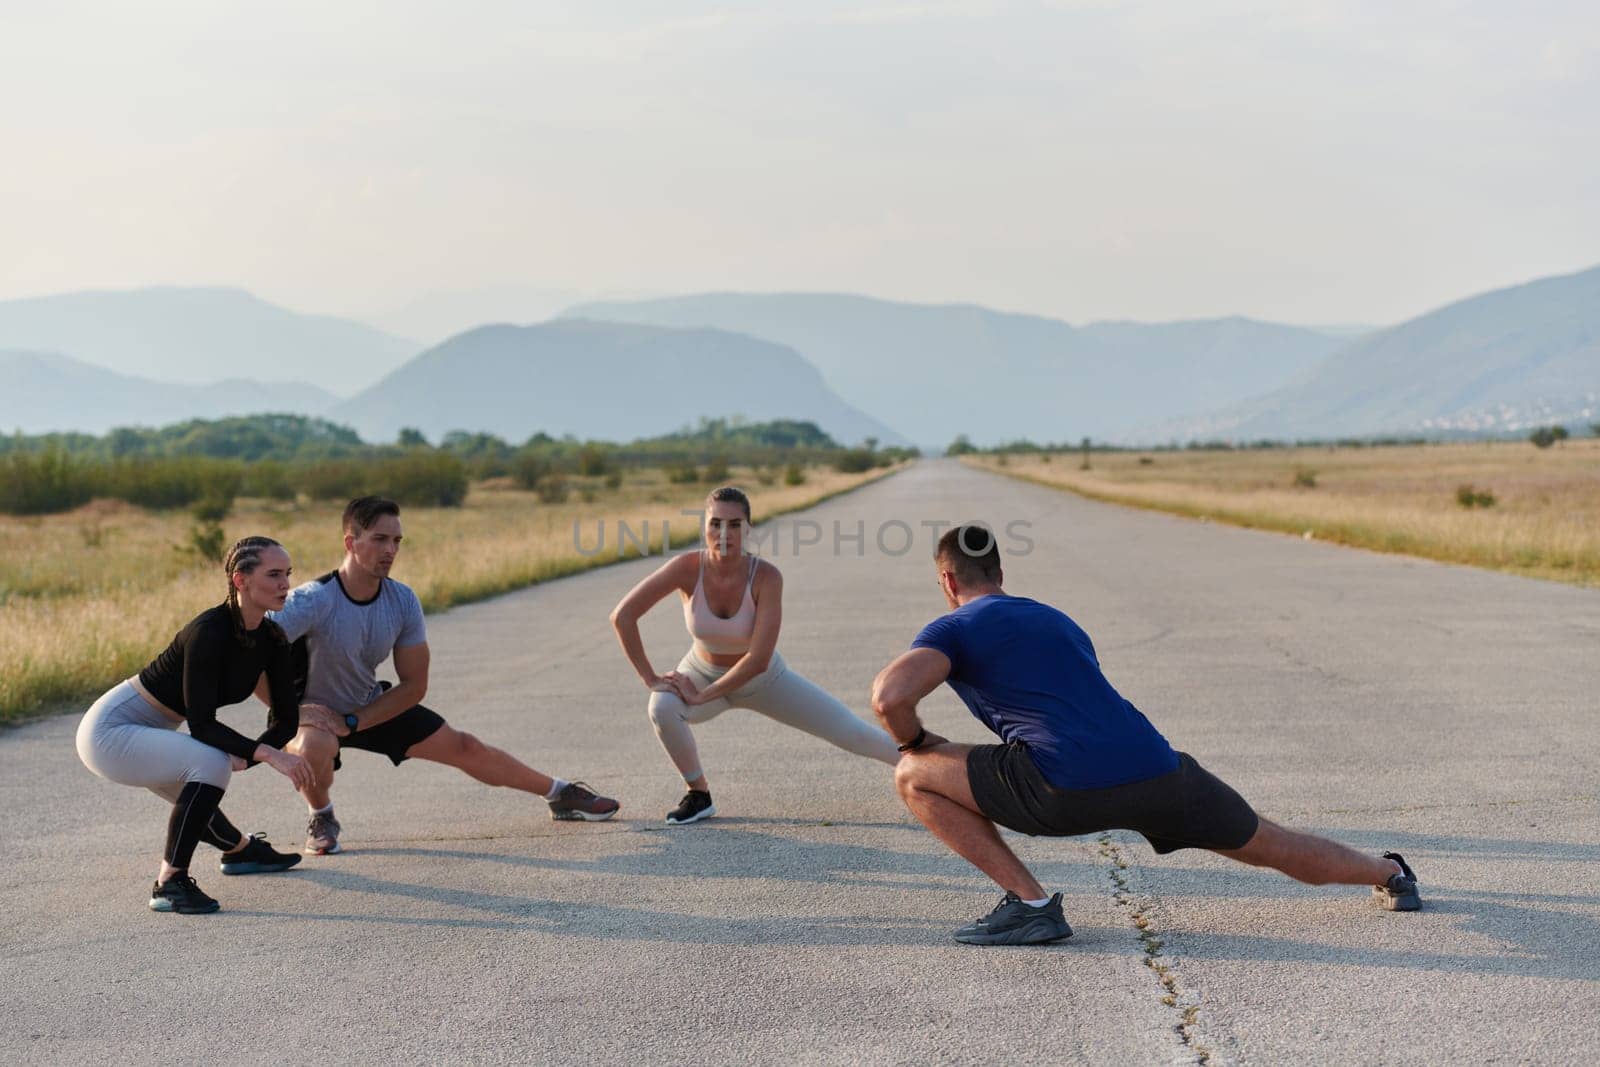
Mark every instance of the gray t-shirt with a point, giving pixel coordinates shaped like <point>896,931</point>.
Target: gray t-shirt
<point>347,640</point>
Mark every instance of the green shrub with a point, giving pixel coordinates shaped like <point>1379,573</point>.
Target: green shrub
<point>593,461</point>
<point>1543,437</point>
<point>332,479</point>
<point>766,475</point>
<point>854,461</point>
<point>41,483</point>
<point>267,479</point>
<point>174,482</point>
<point>1305,478</point>
<point>552,489</point>
<point>961,446</point>
<point>613,479</point>
<point>528,467</point>
<point>422,479</point>
<point>683,474</point>
<point>794,474</point>
<point>1470,496</point>
<point>717,470</point>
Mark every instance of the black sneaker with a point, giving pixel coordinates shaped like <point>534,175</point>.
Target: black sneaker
<point>257,857</point>
<point>577,801</point>
<point>1399,893</point>
<point>180,894</point>
<point>1014,923</point>
<point>695,805</point>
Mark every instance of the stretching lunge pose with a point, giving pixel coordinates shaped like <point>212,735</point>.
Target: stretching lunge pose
<point>130,735</point>
<point>1077,757</point>
<point>350,621</point>
<point>733,606</point>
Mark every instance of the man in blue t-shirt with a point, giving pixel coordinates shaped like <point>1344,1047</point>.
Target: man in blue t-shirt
<point>1077,757</point>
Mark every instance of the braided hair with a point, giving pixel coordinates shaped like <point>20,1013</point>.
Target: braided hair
<point>244,557</point>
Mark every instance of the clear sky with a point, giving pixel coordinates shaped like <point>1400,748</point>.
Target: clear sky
<point>1298,160</point>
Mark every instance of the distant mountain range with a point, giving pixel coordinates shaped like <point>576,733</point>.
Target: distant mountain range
<point>856,366</point>
<point>1501,361</point>
<point>937,371</point>
<point>195,336</point>
<point>604,380</point>
<point>45,392</point>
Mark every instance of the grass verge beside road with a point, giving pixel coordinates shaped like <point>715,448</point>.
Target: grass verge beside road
<point>90,596</point>
<point>1502,505</point>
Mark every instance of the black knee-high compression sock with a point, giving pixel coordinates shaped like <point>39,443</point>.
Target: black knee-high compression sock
<point>190,813</point>
<point>221,834</point>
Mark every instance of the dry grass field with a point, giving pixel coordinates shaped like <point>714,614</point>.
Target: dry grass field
<point>1544,519</point>
<point>89,596</point>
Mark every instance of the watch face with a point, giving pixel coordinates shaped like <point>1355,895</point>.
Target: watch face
<point>350,721</point>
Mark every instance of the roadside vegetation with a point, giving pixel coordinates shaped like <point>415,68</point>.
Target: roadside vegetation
<point>1529,507</point>
<point>88,594</point>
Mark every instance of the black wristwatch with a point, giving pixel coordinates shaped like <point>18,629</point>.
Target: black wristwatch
<point>916,742</point>
<point>351,722</point>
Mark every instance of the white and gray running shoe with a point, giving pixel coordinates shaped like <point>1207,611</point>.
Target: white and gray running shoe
<point>322,835</point>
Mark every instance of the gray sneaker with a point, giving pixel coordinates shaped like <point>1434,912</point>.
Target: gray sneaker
<point>1014,923</point>
<point>577,801</point>
<point>322,835</point>
<point>1399,893</point>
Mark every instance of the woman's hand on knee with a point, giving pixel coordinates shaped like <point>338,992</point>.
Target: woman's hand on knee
<point>292,767</point>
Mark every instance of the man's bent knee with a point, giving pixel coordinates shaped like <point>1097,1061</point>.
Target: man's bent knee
<point>311,743</point>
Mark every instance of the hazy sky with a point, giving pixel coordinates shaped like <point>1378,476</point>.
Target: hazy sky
<point>1300,161</point>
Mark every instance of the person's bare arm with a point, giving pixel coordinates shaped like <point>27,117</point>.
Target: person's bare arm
<point>768,593</point>
<point>641,598</point>
<point>411,668</point>
<point>901,685</point>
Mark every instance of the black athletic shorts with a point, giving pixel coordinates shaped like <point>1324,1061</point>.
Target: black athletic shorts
<point>395,737</point>
<point>1186,808</point>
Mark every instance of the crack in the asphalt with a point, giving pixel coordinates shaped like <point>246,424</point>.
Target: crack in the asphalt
<point>1186,1004</point>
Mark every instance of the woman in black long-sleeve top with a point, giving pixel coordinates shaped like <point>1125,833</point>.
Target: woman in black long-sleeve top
<point>130,735</point>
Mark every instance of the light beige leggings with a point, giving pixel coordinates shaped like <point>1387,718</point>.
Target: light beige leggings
<point>778,693</point>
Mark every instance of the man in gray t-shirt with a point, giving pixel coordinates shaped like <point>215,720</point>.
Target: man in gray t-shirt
<point>343,626</point>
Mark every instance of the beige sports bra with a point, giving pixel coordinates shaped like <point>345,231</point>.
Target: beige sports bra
<point>721,636</point>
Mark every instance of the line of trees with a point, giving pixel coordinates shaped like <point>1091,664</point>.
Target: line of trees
<point>206,464</point>
<point>1541,437</point>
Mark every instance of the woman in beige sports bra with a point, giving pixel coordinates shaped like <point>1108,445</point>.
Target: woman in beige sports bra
<point>732,605</point>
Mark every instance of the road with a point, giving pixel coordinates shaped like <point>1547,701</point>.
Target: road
<point>1392,703</point>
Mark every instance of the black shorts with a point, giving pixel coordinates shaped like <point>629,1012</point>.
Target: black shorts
<point>394,737</point>
<point>1186,808</point>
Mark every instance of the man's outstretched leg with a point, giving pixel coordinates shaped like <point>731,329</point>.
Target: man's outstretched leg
<point>1319,861</point>
<point>933,783</point>
<point>494,766</point>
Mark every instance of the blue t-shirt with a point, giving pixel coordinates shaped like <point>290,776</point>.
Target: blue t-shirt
<point>1030,674</point>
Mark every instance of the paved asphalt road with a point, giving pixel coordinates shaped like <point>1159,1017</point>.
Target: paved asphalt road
<point>1444,712</point>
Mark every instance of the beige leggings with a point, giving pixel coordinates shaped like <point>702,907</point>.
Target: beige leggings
<point>778,693</point>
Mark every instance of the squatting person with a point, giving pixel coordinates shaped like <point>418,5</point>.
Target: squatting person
<point>130,735</point>
<point>344,625</point>
<point>733,608</point>
<point>1077,757</point>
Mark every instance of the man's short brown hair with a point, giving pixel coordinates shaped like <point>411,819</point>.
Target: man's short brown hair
<point>363,511</point>
<point>971,551</point>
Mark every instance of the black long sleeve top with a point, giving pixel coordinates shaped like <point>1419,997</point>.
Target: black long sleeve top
<point>208,667</point>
